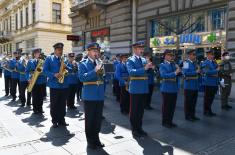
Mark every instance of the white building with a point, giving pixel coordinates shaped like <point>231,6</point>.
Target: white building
<point>27,24</point>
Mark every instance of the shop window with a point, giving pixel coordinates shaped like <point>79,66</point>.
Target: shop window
<point>27,16</point>
<point>33,12</point>
<point>217,17</point>
<point>30,43</point>
<point>21,19</point>
<point>16,21</point>
<point>56,13</point>
<point>10,23</point>
<point>94,21</point>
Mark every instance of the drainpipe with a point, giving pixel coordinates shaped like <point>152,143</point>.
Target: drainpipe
<point>134,20</point>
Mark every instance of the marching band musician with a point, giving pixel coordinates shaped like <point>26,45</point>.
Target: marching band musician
<point>226,80</point>
<point>37,95</point>
<point>0,70</point>
<point>169,88</point>
<point>23,81</point>
<point>58,91</point>
<point>7,77</point>
<point>72,67</point>
<point>92,95</point>
<point>151,76</point>
<point>14,75</point>
<point>210,71</point>
<point>122,76</point>
<point>116,88</point>
<point>138,87</point>
<point>191,85</point>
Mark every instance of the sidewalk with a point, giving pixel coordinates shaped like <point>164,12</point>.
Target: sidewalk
<point>33,134</point>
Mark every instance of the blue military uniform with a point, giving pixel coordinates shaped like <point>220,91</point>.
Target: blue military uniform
<point>23,83</point>
<point>93,97</point>
<point>38,88</point>
<point>211,82</point>
<point>58,91</point>
<point>122,76</point>
<point>138,89</point>
<point>116,87</point>
<point>14,77</point>
<point>191,86</point>
<point>169,89</point>
<point>72,68</point>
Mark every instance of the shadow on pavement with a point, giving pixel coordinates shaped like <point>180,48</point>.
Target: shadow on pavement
<point>74,113</point>
<point>96,152</point>
<point>35,120</point>
<point>107,127</point>
<point>150,145</point>
<point>58,136</point>
<point>22,110</point>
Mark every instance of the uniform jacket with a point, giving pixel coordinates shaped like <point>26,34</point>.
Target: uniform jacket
<point>191,81</point>
<point>12,66</point>
<point>30,68</point>
<point>169,78</point>
<point>50,67</point>
<point>210,73</point>
<point>122,74</point>
<point>135,68</point>
<point>86,73</point>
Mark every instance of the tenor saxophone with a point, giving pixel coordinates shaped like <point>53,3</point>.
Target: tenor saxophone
<point>35,75</point>
<point>63,71</point>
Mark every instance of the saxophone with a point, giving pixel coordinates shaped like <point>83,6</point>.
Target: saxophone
<point>63,72</point>
<point>35,75</point>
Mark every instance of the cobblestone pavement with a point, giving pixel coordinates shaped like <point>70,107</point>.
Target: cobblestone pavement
<point>22,132</point>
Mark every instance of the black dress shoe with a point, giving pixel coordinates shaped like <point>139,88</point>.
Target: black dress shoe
<point>167,125</point>
<point>124,112</point>
<point>212,114</point>
<point>91,146</point>
<point>189,119</point>
<point>225,108</point>
<point>6,94</point>
<point>73,107</point>
<point>55,125</point>
<point>195,118</point>
<point>174,125</point>
<point>100,145</point>
<point>143,133</point>
<point>207,114</point>
<point>229,107</point>
<point>22,105</point>
<point>63,124</point>
<point>14,99</point>
<point>35,112</point>
<point>136,134</point>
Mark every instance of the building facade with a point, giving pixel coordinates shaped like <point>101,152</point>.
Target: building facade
<point>25,24</point>
<point>115,24</point>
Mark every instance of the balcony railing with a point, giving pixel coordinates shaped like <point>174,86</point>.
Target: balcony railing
<point>5,36</point>
<point>84,3</point>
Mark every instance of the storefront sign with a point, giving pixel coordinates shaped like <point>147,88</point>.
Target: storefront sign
<point>205,39</point>
<point>100,33</point>
<point>163,41</point>
<point>190,38</point>
<point>73,37</point>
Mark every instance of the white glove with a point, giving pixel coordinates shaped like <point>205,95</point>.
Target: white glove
<point>222,83</point>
